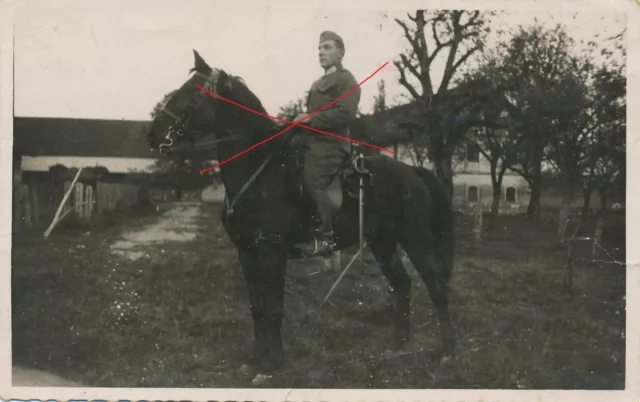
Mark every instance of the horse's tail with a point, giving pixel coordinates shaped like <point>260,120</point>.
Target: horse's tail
<point>443,221</point>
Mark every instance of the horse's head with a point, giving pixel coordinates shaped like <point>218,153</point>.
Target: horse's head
<point>189,112</point>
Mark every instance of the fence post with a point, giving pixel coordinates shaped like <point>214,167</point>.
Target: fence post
<point>79,193</point>
<point>26,202</point>
<point>477,227</point>
<point>88,207</point>
<point>567,282</point>
<point>597,236</point>
<point>35,204</point>
<point>563,220</point>
<point>99,197</point>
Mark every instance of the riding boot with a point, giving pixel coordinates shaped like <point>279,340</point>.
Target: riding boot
<point>323,243</point>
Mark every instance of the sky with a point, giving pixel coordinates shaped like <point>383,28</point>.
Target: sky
<point>112,61</point>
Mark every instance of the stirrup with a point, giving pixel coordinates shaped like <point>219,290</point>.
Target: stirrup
<point>327,244</point>
<point>328,248</point>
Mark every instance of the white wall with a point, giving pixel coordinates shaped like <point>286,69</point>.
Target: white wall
<point>114,165</point>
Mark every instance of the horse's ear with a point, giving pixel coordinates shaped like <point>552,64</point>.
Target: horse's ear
<point>200,64</point>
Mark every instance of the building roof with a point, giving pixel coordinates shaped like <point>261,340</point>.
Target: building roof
<point>390,126</point>
<point>385,128</point>
<point>44,136</point>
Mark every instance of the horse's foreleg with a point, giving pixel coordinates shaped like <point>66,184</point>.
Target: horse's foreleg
<point>273,261</point>
<point>254,278</point>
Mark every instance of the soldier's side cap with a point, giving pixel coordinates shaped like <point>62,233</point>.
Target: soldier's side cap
<point>328,35</point>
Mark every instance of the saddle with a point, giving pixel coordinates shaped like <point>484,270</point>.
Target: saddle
<point>344,182</point>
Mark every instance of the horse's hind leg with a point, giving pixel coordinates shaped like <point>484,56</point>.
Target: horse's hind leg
<point>418,242</point>
<point>384,250</point>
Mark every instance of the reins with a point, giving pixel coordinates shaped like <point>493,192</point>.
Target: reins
<point>180,122</point>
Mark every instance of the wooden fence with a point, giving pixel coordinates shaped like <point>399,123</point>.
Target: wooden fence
<point>36,200</point>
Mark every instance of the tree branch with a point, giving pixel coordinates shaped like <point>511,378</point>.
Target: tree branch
<point>405,83</point>
<point>407,63</point>
<point>465,56</point>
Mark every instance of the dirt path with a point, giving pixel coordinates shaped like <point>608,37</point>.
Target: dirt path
<point>176,225</point>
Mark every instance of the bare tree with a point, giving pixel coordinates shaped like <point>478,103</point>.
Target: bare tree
<point>380,108</point>
<point>457,35</point>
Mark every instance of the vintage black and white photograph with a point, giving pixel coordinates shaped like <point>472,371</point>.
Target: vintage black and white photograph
<point>311,197</point>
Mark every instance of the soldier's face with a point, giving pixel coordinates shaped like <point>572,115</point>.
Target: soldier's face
<point>329,54</point>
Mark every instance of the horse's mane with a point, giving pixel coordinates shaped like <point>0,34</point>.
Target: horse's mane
<point>246,94</point>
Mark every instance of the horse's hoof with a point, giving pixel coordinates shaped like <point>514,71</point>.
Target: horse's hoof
<point>447,358</point>
<point>246,369</point>
<point>260,379</point>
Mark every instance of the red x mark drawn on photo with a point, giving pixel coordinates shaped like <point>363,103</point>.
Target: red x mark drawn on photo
<point>291,123</point>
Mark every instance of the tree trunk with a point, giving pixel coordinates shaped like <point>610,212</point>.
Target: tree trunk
<point>533,210</point>
<point>586,206</point>
<point>496,182</point>
<point>563,220</point>
<point>444,172</point>
<point>495,204</point>
<point>603,200</point>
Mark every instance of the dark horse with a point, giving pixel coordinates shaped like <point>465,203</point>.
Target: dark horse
<point>271,214</point>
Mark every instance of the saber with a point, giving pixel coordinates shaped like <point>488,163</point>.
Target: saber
<point>344,271</point>
<point>361,213</point>
<point>362,171</point>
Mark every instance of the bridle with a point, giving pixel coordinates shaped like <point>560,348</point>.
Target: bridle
<point>181,122</point>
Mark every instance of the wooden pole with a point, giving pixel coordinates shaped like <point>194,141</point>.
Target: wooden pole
<point>597,237</point>
<point>477,229</point>
<point>563,219</point>
<point>26,201</point>
<point>57,218</point>
<point>35,204</point>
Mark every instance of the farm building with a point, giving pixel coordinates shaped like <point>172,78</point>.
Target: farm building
<point>47,152</point>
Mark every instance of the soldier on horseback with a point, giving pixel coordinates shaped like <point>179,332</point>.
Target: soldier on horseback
<point>323,153</point>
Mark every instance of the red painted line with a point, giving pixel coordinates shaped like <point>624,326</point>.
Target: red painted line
<point>293,124</point>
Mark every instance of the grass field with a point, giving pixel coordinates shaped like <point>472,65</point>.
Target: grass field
<point>184,321</point>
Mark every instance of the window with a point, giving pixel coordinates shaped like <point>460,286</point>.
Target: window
<point>472,194</point>
<point>511,194</point>
<point>473,154</point>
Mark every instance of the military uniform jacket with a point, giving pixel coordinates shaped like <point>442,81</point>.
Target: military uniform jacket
<point>337,117</point>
